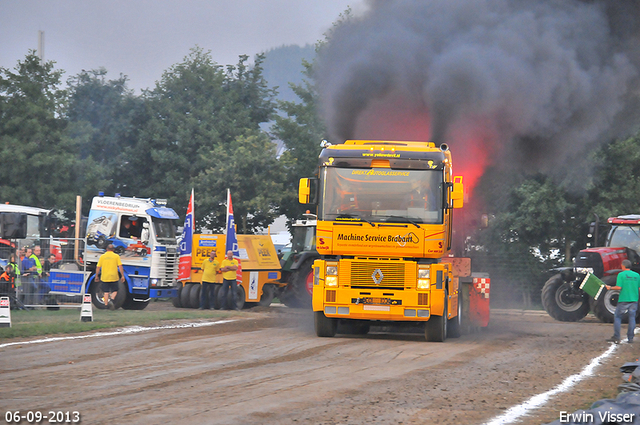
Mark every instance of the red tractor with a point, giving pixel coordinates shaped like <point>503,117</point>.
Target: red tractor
<point>562,297</point>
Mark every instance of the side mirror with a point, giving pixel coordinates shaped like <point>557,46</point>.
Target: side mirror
<point>457,194</point>
<point>304,191</point>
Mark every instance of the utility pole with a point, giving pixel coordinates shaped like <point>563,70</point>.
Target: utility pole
<point>41,45</point>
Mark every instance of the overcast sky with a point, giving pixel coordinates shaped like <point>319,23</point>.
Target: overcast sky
<point>142,38</point>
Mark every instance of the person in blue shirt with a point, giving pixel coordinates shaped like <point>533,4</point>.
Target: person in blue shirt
<point>29,275</point>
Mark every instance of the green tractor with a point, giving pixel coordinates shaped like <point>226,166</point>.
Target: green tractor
<point>297,264</point>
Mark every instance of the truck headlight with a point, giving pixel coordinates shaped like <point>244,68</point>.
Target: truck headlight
<point>584,270</point>
<point>424,280</point>
<point>332,270</point>
<point>155,282</point>
<point>331,281</point>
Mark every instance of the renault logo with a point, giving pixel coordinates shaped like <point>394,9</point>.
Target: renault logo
<point>377,276</point>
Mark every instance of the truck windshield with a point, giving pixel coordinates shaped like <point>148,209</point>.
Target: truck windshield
<point>625,236</point>
<point>382,194</point>
<point>165,230</point>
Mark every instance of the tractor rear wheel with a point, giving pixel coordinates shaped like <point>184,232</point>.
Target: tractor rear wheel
<point>560,302</point>
<point>298,292</point>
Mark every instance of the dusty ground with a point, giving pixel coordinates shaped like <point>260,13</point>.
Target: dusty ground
<point>268,367</point>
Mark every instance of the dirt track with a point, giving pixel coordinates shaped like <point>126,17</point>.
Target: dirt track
<point>268,367</point>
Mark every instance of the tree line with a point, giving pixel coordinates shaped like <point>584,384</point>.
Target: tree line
<point>203,126</point>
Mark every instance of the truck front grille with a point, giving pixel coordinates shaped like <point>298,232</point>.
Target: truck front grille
<point>169,268</point>
<point>373,274</point>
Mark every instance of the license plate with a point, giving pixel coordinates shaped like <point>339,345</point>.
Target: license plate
<point>376,301</point>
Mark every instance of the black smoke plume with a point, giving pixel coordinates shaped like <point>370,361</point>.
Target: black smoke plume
<point>538,79</point>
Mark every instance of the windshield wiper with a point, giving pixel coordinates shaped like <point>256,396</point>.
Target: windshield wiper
<point>402,219</point>
<point>355,216</point>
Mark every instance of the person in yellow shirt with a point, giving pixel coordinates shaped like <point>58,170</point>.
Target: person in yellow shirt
<point>108,265</point>
<point>209,268</point>
<point>228,268</point>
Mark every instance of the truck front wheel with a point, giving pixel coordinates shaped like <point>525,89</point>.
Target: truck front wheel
<point>325,326</point>
<point>435,329</point>
<point>604,307</point>
<point>97,296</point>
<point>561,301</point>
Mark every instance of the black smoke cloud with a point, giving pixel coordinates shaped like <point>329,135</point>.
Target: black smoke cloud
<point>539,78</point>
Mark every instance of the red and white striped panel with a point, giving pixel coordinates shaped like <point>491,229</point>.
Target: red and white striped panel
<point>483,285</point>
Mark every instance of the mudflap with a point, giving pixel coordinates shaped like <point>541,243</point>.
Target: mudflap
<point>476,299</point>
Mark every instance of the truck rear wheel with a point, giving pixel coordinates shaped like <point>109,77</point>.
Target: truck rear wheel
<point>194,295</point>
<point>217,302</point>
<point>604,308</point>
<point>454,325</point>
<point>184,295</point>
<point>435,329</point>
<point>298,292</point>
<point>268,292</point>
<point>240,297</point>
<point>560,302</point>
<point>325,326</point>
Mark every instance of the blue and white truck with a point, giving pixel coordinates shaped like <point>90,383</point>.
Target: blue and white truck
<point>144,235</point>
<point>142,231</point>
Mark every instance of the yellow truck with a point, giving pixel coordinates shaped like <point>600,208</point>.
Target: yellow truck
<point>260,270</point>
<point>384,225</point>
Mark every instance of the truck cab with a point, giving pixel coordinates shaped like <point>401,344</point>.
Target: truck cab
<point>143,233</point>
<point>384,224</point>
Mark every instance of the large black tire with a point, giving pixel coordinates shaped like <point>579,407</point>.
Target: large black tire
<point>435,329</point>
<point>176,300</point>
<point>325,326</point>
<point>557,304</point>
<point>454,325</point>
<point>194,295</point>
<point>97,295</point>
<point>604,308</point>
<point>240,296</point>
<point>297,294</point>
<point>184,295</point>
<point>217,302</point>
<point>268,293</point>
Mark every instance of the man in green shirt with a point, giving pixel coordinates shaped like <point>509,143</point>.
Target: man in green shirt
<point>628,282</point>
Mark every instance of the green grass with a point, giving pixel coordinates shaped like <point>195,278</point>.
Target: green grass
<point>40,322</point>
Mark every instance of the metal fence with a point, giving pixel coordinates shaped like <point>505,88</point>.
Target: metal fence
<point>516,282</point>
<point>56,280</point>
